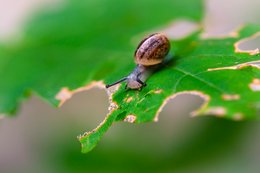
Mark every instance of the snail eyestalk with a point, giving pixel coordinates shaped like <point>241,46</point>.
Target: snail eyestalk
<point>117,82</point>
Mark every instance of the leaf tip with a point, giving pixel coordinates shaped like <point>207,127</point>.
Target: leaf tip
<point>159,91</point>
<point>88,141</point>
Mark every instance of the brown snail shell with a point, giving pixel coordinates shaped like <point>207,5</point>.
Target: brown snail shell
<point>150,54</point>
<point>152,50</point>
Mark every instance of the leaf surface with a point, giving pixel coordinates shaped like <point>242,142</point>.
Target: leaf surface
<point>209,68</point>
<point>79,42</point>
<point>86,41</point>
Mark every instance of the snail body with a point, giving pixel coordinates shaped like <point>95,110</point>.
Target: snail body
<point>150,54</point>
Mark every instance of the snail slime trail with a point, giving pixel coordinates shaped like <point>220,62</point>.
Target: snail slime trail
<point>151,53</point>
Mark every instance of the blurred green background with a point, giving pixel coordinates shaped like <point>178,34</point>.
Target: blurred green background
<point>43,139</point>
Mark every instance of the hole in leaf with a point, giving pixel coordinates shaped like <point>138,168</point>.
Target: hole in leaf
<point>249,45</point>
<point>180,29</point>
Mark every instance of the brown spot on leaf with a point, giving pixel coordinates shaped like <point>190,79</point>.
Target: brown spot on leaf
<point>112,105</point>
<point>230,97</point>
<point>66,94</point>
<point>158,91</point>
<point>129,99</point>
<point>198,93</point>
<point>217,111</point>
<point>244,46</point>
<point>255,64</point>
<point>255,85</point>
<point>130,118</point>
<point>238,116</point>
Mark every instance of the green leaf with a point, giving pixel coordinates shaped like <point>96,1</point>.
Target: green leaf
<point>78,43</point>
<point>209,68</point>
<point>87,41</point>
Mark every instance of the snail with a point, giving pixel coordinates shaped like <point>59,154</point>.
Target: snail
<point>151,53</point>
